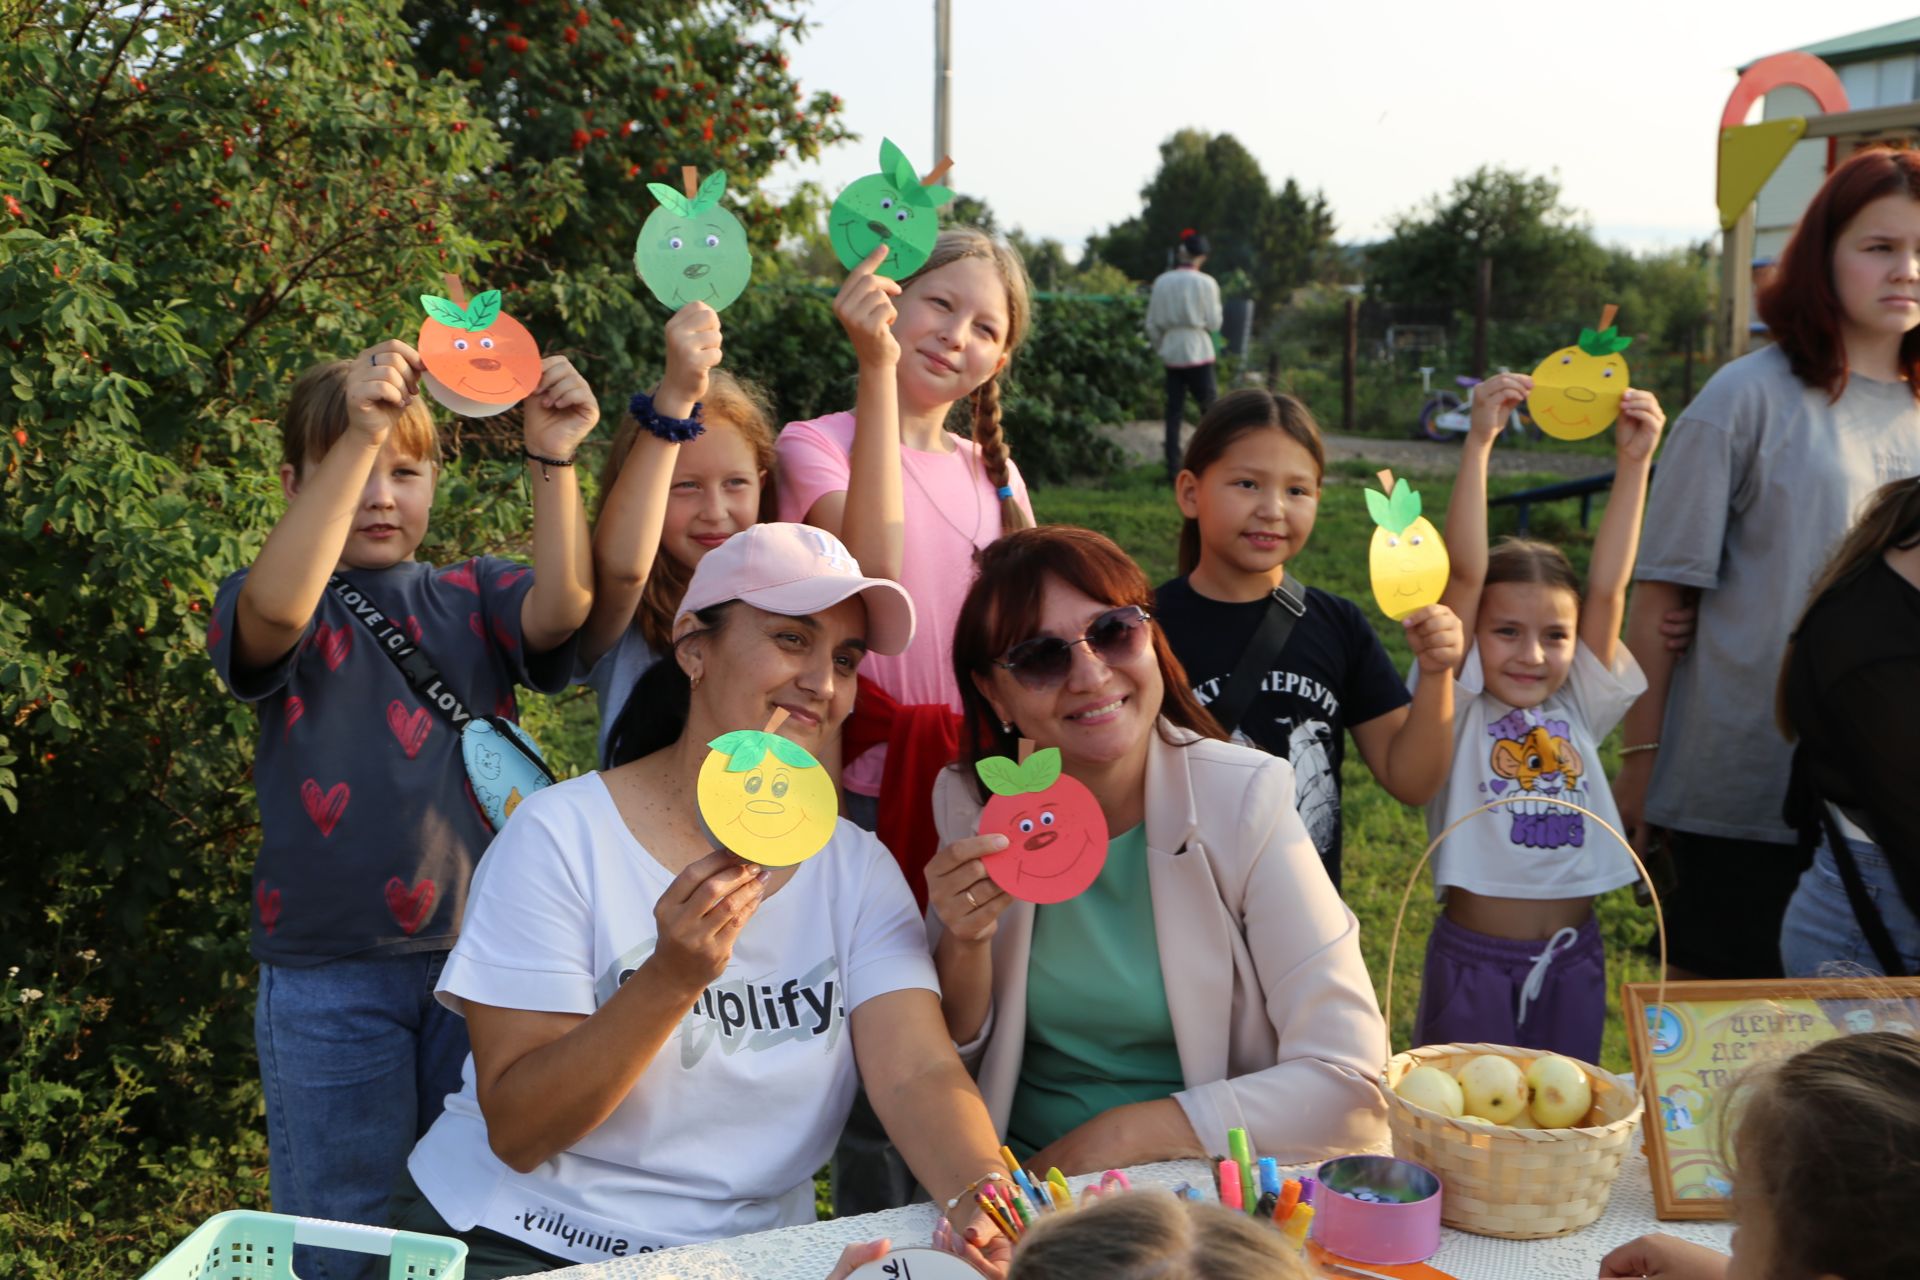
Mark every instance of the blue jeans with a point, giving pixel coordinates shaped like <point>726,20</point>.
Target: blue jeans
<point>1820,928</point>
<point>357,1059</point>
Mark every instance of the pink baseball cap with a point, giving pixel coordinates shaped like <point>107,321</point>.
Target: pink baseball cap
<point>797,569</point>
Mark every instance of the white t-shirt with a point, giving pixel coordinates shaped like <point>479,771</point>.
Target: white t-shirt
<point>723,1131</point>
<point>1534,849</point>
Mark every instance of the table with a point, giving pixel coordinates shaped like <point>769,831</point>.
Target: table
<point>809,1252</point>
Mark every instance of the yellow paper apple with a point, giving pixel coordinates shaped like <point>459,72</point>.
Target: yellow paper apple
<point>766,798</point>
<point>1576,390</point>
<point>1562,1094</point>
<point>1407,558</point>
<point>1434,1089</point>
<point>1493,1087</point>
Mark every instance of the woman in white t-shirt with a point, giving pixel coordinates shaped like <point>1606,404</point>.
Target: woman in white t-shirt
<point>666,1040</point>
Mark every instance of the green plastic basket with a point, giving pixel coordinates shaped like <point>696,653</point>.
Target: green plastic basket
<point>243,1245</point>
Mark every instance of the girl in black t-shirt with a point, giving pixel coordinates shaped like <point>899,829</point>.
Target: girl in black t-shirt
<point>1249,488</point>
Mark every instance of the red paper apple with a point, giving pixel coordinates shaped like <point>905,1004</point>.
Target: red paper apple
<point>1056,833</point>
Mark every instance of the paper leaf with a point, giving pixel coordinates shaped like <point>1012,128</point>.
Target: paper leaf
<point>672,199</point>
<point>711,190</point>
<point>483,310</point>
<point>744,748</point>
<point>1042,769</point>
<point>937,195</point>
<point>1377,508</point>
<point>790,753</point>
<point>1001,775</point>
<point>894,163</point>
<point>444,310</point>
<point>1405,504</point>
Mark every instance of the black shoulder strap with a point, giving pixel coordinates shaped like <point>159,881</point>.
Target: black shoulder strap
<point>1286,605</point>
<point>391,639</point>
<point>1864,909</point>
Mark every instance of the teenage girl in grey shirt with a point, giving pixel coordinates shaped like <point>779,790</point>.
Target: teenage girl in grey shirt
<point>1760,479</point>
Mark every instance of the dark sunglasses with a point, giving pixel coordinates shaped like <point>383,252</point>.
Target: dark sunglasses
<point>1116,636</point>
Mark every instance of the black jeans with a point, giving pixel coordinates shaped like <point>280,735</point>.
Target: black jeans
<point>1199,380</point>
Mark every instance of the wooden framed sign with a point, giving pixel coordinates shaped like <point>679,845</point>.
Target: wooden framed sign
<point>1691,1046</point>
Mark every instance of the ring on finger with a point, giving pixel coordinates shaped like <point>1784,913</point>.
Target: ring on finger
<point>968,894</point>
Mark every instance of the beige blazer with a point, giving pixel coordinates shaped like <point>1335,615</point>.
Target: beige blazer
<point>1273,1012</point>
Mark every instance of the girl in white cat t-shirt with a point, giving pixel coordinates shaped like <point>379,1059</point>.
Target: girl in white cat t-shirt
<point>666,1040</point>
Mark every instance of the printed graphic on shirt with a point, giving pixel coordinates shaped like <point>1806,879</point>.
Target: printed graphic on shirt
<point>570,1232</point>
<point>1533,756</point>
<point>1316,791</point>
<point>749,1014</point>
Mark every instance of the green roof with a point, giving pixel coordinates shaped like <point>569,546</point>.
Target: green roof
<point>1861,46</point>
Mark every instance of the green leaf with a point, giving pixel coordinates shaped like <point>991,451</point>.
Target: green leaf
<point>1378,508</point>
<point>1001,775</point>
<point>672,199</point>
<point>712,187</point>
<point>1042,769</point>
<point>444,310</point>
<point>894,163</point>
<point>483,310</point>
<point>1405,504</point>
<point>791,754</point>
<point>743,747</point>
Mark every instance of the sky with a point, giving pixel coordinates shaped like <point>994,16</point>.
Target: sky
<point>1060,106</point>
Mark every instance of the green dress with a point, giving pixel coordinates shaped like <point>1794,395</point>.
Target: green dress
<point>1099,1034</point>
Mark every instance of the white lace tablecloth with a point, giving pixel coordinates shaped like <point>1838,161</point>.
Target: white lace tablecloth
<point>809,1252</point>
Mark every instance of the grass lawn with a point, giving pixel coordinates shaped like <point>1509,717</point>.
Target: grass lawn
<point>1384,838</point>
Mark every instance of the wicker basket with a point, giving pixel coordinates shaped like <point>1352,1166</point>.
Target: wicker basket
<point>1513,1183</point>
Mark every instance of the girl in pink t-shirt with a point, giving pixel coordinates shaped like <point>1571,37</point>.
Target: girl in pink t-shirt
<point>910,499</point>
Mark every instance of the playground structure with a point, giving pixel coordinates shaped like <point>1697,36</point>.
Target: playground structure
<point>1751,153</point>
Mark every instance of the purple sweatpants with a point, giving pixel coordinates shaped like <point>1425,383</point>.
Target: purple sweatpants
<point>1475,988</point>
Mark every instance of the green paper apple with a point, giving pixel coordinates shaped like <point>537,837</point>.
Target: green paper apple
<point>890,208</point>
<point>692,250</point>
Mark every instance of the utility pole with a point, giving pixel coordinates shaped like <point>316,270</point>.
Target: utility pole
<point>942,79</point>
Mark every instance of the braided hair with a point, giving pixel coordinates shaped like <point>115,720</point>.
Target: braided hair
<point>955,244</point>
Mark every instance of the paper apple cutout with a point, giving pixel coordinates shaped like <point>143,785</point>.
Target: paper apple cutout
<point>766,798</point>
<point>1407,559</point>
<point>480,361</point>
<point>891,208</point>
<point>1056,833</point>
<point>1576,390</point>
<point>691,249</point>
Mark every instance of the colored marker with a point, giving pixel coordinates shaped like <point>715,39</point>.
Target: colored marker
<point>1230,1185</point>
<point>1057,1187</point>
<point>1114,1178</point>
<point>1242,1153</point>
<point>1289,1197</point>
<point>1006,1155</point>
<point>1269,1176</point>
<point>993,1211</point>
<point>1026,1187</point>
<point>1017,1207</point>
<point>1268,1202</point>
<point>1300,1224</point>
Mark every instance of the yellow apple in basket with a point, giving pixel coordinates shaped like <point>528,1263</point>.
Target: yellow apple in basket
<point>1432,1088</point>
<point>1493,1087</point>
<point>1562,1094</point>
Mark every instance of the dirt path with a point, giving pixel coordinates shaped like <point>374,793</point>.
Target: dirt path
<point>1141,441</point>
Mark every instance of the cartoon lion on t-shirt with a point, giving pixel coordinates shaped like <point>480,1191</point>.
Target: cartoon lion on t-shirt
<point>1542,761</point>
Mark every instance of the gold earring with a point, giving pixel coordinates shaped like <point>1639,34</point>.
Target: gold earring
<point>693,683</point>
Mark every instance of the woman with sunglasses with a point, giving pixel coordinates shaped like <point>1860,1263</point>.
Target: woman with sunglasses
<point>1210,978</point>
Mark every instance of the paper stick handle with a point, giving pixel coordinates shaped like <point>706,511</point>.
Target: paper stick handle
<point>455,290</point>
<point>1606,316</point>
<point>1386,480</point>
<point>1025,750</point>
<point>690,179</point>
<point>938,171</point>
<point>778,718</point>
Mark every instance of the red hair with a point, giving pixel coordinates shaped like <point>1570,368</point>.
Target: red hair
<point>1799,304</point>
<point>1003,606</point>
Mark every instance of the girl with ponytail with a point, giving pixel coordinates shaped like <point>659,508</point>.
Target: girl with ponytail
<point>911,499</point>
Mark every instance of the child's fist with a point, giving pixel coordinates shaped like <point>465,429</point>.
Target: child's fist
<point>1494,402</point>
<point>381,383</point>
<point>864,307</point>
<point>693,349</point>
<point>1637,434</point>
<point>560,412</point>
<point>1438,641</point>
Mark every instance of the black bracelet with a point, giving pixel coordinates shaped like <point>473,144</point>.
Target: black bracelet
<point>531,456</point>
<point>672,430</point>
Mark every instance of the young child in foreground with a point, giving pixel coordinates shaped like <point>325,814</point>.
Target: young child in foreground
<point>1516,957</point>
<point>1827,1157</point>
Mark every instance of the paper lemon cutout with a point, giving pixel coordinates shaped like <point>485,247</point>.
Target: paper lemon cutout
<point>480,361</point>
<point>1577,389</point>
<point>1407,559</point>
<point>891,208</point>
<point>766,798</point>
<point>1056,833</point>
<point>691,249</point>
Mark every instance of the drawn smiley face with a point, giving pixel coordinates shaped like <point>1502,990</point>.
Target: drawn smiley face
<point>698,257</point>
<point>890,208</point>
<point>766,799</point>
<point>480,361</point>
<point>1056,832</point>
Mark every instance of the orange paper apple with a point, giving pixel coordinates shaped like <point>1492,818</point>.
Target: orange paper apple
<point>480,361</point>
<point>1056,833</point>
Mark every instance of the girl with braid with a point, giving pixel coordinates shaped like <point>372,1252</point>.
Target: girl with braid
<point>911,499</point>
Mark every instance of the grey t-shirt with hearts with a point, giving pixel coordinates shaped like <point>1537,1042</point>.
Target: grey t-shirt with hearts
<point>369,834</point>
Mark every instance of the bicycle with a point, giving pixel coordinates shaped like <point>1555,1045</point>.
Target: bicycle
<point>1445,416</point>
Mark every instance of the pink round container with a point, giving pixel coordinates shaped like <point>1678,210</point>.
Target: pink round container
<point>1401,1226</point>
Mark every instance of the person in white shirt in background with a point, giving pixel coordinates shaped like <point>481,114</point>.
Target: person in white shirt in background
<point>1182,317</point>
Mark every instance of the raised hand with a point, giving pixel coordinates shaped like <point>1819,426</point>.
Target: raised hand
<point>1493,403</point>
<point>701,914</point>
<point>967,901</point>
<point>382,383</point>
<point>1437,639</point>
<point>864,307</point>
<point>693,350</point>
<point>561,411</point>
<point>1642,420</point>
